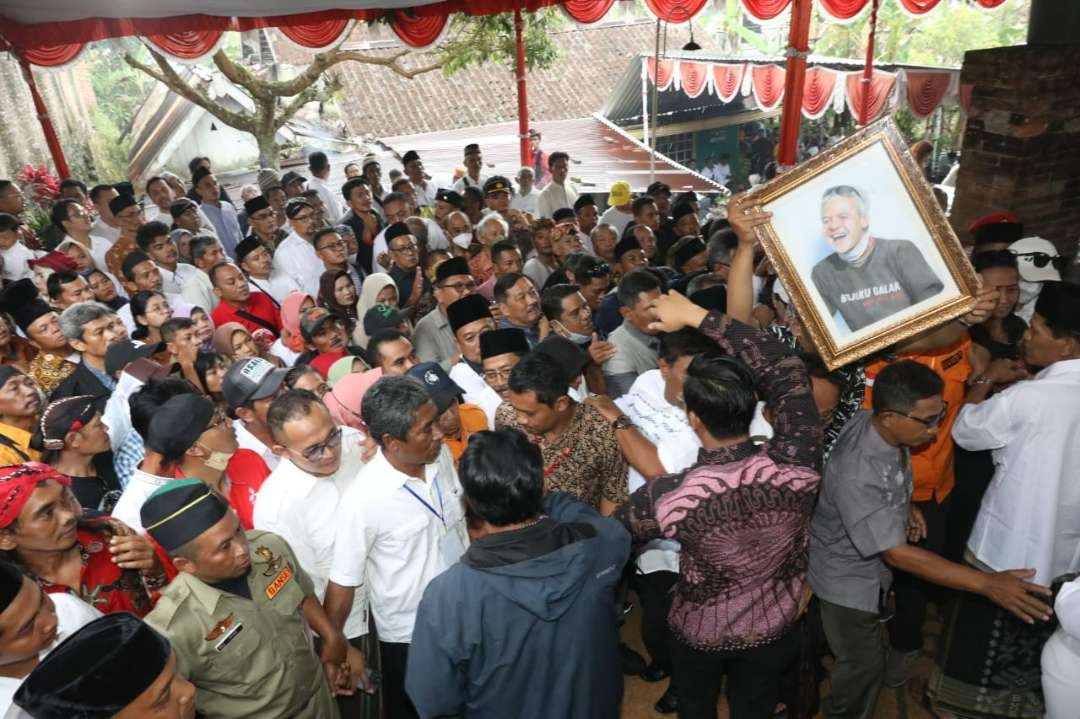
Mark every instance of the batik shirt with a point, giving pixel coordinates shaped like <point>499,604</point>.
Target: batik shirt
<point>741,513</point>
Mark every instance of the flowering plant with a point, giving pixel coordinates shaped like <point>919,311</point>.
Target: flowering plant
<point>44,189</point>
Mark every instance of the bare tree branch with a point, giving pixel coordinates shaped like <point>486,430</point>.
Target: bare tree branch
<point>309,94</point>
<point>167,75</point>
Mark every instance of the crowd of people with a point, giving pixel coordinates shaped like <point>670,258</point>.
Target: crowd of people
<point>397,448</point>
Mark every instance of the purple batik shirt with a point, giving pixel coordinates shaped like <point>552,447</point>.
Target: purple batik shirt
<point>741,513</point>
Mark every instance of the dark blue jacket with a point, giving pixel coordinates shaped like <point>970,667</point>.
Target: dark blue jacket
<point>525,625</point>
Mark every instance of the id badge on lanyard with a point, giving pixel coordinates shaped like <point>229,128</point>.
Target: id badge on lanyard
<point>450,545</point>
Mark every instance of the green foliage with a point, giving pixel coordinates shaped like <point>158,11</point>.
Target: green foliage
<point>940,38</point>
<point>120,91</point>
<point>490,38</point>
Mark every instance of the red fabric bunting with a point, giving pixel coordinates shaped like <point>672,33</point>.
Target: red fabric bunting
<point>53,55</point>
<point>418,30</point>
<point>881,87</point>
<point>315,35</point>
<point>187,45</point>
<point>727,79</point>
<point>919,7</point>
<point>990,3</point>
<point>693,76</point>
<point>587,11</point>
<point>818,91</point>
<point>676,11</point>
<point>926,90</point>
<point>768,85</point>
<point>844,9</point>
<point>765,9</point>
<point>667,72</point>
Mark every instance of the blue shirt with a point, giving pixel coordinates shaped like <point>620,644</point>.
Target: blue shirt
<point>223,218</point>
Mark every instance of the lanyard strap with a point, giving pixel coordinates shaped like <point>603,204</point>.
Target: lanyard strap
<point>424,502</point>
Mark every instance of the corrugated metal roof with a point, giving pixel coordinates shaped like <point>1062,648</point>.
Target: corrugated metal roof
<point>600,153</point>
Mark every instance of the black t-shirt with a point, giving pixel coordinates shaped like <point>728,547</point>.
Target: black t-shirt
<point>894,277</point>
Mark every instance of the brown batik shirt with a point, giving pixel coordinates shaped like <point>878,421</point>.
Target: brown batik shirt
<point>584,461</point>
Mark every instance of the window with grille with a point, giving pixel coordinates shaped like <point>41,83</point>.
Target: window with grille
<point>679,148</point>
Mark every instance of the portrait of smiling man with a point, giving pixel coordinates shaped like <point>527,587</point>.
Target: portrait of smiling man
<point>866,278</point>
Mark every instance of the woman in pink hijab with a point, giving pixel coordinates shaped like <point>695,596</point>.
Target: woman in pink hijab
<point>291,343</point>
<point>345,398</point>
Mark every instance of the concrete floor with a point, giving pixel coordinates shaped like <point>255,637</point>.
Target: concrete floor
<point>903,703</point>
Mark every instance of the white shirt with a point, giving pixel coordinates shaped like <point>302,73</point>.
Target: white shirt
<point>525,202</point>
<point>389,543</point>
<point>460,185</point>
<point>72,614</point>
<point>112,234</point>
<point>297,258</point>
<point>554,197</point>
<point>332,199</point>
<point>436,239</point>
<point>174,281</point>
<point>246,440</point>
<point>138,490</point>
<point>199,291</point>
<point>303,509</point>
<point>616,218</point>
<point>537,271</point>
<point>721,173</point>
<point>667,427</point>
<point>278,286</point>
<point>476,390</point>
<point>425,194</point>
<point>1030,514</point>
<point>16,261</point>
<point>117,412</point>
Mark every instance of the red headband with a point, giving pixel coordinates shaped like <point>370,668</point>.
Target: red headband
<point>17,483</point>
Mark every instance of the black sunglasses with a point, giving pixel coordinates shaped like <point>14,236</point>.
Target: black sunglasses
<point>1042,259</point>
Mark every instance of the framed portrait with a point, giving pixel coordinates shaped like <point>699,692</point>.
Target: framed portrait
<point>862,247</point>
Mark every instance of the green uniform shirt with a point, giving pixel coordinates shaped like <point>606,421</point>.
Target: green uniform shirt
<point>248,658</point>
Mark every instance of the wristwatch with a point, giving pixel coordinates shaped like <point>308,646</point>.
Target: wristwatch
<point>622,422</point>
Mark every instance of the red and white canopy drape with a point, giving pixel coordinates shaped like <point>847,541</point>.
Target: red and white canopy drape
<point>921,91</point>
<point>189,37</point>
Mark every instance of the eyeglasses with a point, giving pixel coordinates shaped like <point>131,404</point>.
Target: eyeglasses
<point>928,422</point>
<point>337,245</point>
<point>304,218</point>
<point>407,249</point>
<point>495,375</point>
<point>459,286</point>
<point>261,216</point>
<point>315,452</point>
<point>1042,259</point>
<point>601,270</point>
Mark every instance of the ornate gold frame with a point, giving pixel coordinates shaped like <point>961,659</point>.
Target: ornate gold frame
<point>833,353</point>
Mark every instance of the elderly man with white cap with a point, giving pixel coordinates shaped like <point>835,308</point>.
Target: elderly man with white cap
<point>525,198</point>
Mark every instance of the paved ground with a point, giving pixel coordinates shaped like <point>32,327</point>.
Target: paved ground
<point>906,703</point>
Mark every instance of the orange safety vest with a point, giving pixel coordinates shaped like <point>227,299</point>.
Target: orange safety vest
<point>932,464</point>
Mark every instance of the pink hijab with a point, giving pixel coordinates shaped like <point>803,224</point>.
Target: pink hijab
<point>345,398</point>
<point>290,319</point>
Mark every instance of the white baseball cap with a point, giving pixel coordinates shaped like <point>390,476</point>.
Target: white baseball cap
<point>1037,259</point>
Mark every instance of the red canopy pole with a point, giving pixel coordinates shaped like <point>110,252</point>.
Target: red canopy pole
<point>868,68</point>
<point>794,80</point>
<point>523,102</point>
<point>51,139</point>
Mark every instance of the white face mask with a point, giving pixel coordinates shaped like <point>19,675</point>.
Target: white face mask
<point>217,461</point>
<point>1029,291</point>
<point>575,337</point>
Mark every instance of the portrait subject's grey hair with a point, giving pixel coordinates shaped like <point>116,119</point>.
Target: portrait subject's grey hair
<point>851,193</point>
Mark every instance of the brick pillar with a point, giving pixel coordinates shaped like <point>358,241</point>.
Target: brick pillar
<point>1021,149</point>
